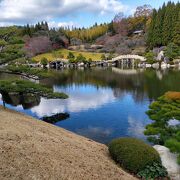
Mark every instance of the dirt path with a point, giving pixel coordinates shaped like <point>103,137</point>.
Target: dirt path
<point>34,150</point>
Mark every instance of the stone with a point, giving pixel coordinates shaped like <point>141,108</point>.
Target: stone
<point>169,161</point>
<point>160,56</point>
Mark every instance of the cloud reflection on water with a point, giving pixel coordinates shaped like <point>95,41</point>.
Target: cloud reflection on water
<point>136,127</point>
<point>96,133</point>
<point>76,102</point>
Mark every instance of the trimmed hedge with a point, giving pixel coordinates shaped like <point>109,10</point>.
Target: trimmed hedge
<point>133,154</point>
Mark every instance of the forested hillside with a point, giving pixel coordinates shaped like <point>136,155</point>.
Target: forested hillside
<point>119,36</point>
<point>86,34</point>
<point>144,30</point>
<point>165,26</point>
<point>30,40</point>
<point>11,44</point>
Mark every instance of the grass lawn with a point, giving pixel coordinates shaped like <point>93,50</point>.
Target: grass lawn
<point>55,54</point>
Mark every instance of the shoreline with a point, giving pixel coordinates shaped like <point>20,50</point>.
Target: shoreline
<point>31,149</point>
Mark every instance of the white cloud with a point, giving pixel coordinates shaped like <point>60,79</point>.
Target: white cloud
<point>62,24</point>
<point>2,24</point>
<point>30,11</point>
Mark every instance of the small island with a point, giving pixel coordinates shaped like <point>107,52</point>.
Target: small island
<point>20,87</point>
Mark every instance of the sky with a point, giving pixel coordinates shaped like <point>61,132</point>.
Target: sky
<point>79,13</point>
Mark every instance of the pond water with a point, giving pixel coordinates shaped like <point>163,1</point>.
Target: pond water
<point>103,103</point>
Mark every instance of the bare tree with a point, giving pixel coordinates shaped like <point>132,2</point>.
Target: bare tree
<point>121,24</point>
<point>118,17</point>
<point>145,10</point>
<point>37,45</point>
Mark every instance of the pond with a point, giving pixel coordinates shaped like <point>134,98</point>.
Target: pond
<point>103,104</point>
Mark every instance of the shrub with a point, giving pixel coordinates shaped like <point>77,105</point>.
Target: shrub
<point>90,60</point>
<point>178,159</point>
<point>44,62</point>
<point>156,170</point>
<point>173,145</point>
<point>133,154</point>
<point>173,95</point>
<point>80,58</point>
<point>162,111</point>
<point>150,57</point>
<point>172,51</point>
<point>103,57</point>
<point>71,55</point>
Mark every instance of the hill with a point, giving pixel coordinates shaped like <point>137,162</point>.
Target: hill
<point>32,149</point>
<point>142,32</point>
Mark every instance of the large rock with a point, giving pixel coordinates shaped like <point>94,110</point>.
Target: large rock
<point>160,56</point>
<point>169,160</point>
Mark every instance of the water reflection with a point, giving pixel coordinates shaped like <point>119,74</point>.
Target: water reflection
<point>143,84</point>
<point>136,127</point>
<point>103,103</point>
<point>27,100</point>
<point>81,98</point>
<point>96,133</point>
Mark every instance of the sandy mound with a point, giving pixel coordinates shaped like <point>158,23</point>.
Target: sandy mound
<point>31,149</point>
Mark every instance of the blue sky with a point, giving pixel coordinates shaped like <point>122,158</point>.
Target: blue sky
<point>87,19</point>
<point>67,12</point>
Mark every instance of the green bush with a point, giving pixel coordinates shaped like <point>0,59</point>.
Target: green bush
<point>44,62</point>
<point>173,145</point>
<point>156,170</point>
<point>133,154</point>
<point>150,58</point>
<point>178,159</point>
<point>164,109</point>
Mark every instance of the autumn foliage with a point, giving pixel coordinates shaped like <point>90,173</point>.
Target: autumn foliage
<point>173,95</point>
<point>38,45</point>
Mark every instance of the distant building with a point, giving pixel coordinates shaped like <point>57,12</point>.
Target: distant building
<point>139,32</point>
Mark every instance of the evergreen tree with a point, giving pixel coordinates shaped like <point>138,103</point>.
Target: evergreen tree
<point>168,24</point>
<point>165,26</point>
<point>158,28</point>
<point>46,26</point>
<point>172,51</point>
<point>176,31</point>
<point>151,35</point>
<point>28,30</point>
